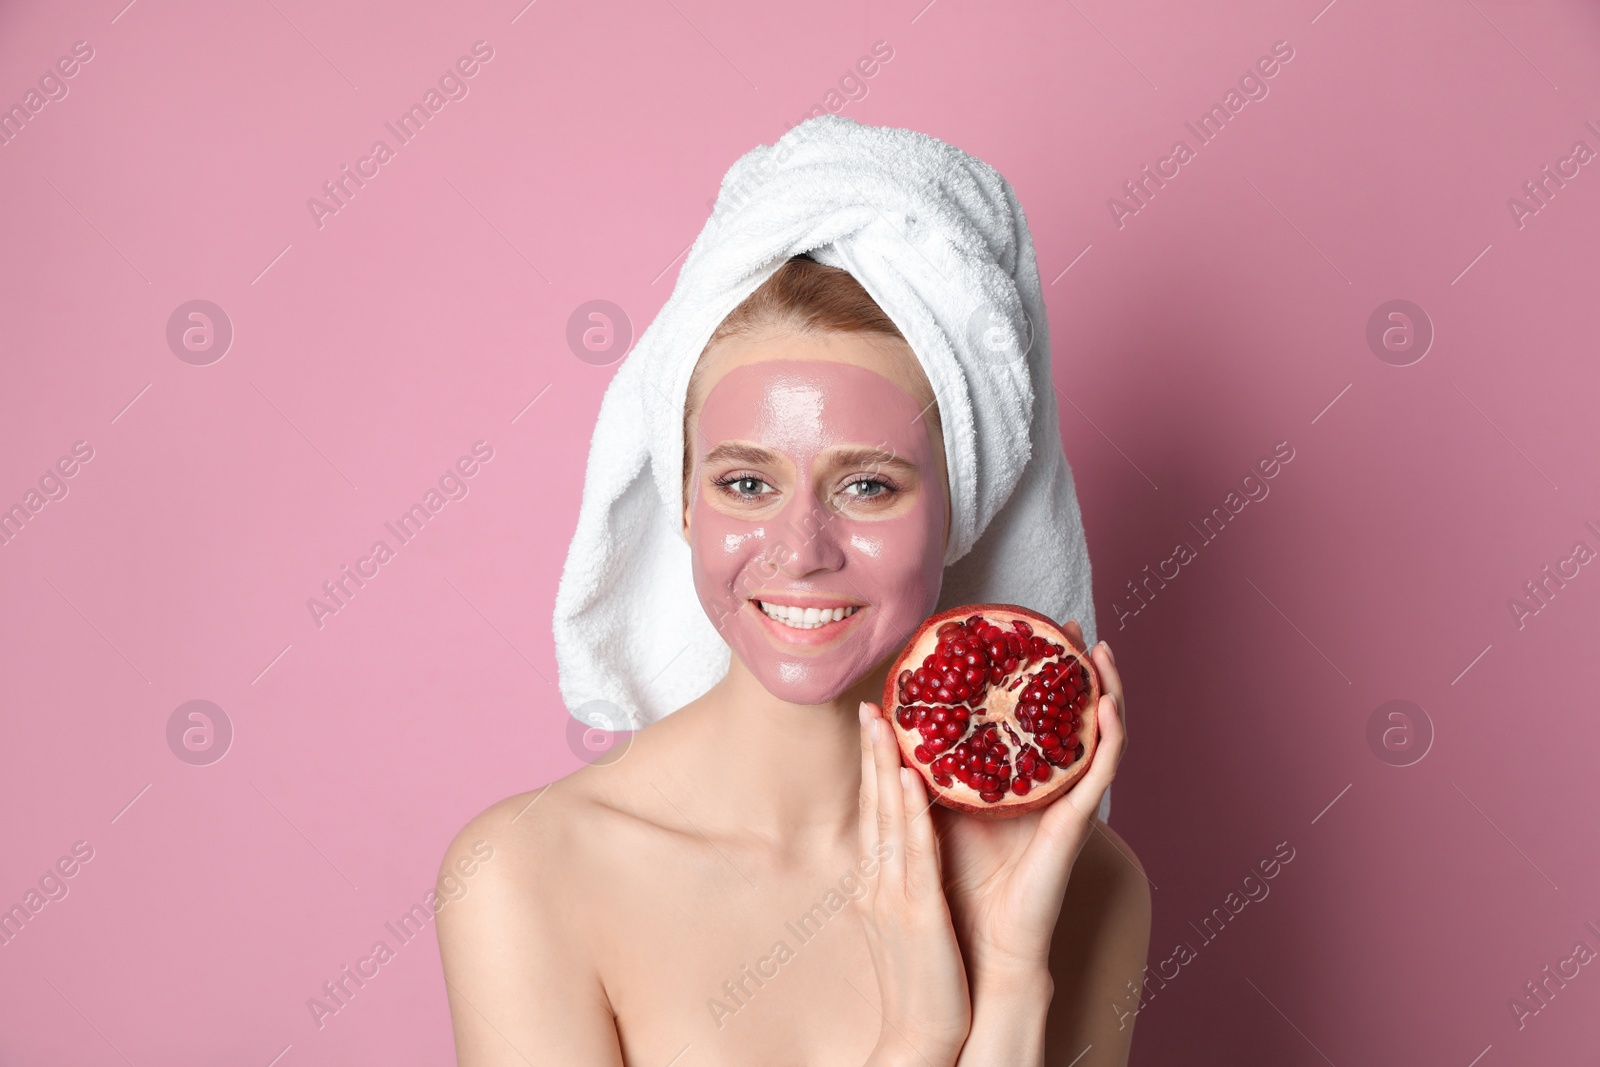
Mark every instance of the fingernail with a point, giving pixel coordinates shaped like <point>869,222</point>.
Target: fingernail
<point>863,710</point>
<point>872,729</point>
<point>1109,655</point>
<point>905,777</point>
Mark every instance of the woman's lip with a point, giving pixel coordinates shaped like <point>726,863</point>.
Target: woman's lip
<point>816,638</point>
<point>805,600</point>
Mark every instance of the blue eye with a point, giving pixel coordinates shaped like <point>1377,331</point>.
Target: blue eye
<point>742,486</point>
<point>869,488</point>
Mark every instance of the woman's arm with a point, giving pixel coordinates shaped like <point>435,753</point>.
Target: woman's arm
<point>1080,1010</point>
<point>1010,884</point>
<point>520,981</point>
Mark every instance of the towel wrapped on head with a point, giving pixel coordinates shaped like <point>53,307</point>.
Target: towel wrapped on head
<point>939,241</point>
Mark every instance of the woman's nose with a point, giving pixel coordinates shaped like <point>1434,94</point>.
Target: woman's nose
<point>807,539</point>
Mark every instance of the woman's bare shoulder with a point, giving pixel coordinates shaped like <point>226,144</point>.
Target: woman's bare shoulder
<point>1112,873</point>
<point>1108,906</point>
<point>568,833</point>
<point>1099,948</point>
<point>524,886</point>
<point>537,839</point>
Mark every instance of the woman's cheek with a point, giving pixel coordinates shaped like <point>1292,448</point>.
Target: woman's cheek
<point>869,547</point>
<point>899,566</point>
<point>727,562</point>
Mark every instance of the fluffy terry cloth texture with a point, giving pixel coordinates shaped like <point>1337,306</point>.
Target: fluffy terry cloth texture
<point>939,240</point>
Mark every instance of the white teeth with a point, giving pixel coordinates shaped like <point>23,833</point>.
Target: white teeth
<point>805,618</point>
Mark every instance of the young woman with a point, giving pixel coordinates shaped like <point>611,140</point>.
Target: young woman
<point>756,880</point>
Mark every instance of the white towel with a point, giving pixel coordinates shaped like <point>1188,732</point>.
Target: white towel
<point>939,240</point>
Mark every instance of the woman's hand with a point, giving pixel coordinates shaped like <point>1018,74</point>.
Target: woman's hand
<point>922,983</point>
<point>1005,878</point>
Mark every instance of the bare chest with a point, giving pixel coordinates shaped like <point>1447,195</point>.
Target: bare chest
<point>722,967</point>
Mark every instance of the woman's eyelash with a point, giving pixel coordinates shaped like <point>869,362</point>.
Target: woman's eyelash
<point>728,480</point>
<point>883,483</point>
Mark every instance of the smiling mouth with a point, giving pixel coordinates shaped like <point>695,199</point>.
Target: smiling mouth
<point>799,618</point>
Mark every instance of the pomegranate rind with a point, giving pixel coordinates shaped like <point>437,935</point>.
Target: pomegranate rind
<point>958,796</point>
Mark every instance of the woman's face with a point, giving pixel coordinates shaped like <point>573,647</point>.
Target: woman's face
<point>816,513</point>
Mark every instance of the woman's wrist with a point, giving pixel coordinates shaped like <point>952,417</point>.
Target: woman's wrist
<point>1013,981</point>
<point>1009,1009</point>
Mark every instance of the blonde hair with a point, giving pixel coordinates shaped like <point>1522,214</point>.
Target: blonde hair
<point>807,296</point>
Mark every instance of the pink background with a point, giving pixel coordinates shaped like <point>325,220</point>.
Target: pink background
<point>372,352</point>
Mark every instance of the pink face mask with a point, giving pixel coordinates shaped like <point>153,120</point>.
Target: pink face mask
<point>817,521</point>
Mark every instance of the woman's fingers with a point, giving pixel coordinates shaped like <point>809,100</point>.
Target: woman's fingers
<point>891,816</point>
<point>922,849</point>
<point>1074,631</point>
<point>1110,678</point>
<point>867,814</point>
<point>1085,796</point>
<point>1067,824</point>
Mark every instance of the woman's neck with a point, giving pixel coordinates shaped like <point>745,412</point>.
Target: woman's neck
<point>787,774</point>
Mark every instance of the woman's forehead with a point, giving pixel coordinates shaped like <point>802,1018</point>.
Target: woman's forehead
<point>889,357</point>
<point>804,407</point>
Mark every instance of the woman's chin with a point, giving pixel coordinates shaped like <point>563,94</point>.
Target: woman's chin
<point>809,679</point>
<point>809,691</point>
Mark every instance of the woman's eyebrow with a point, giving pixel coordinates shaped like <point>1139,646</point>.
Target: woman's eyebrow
<point>732,451</point>
<point>874,458</point>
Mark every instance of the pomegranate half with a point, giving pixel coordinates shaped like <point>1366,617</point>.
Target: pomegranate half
<point>994,705</point>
